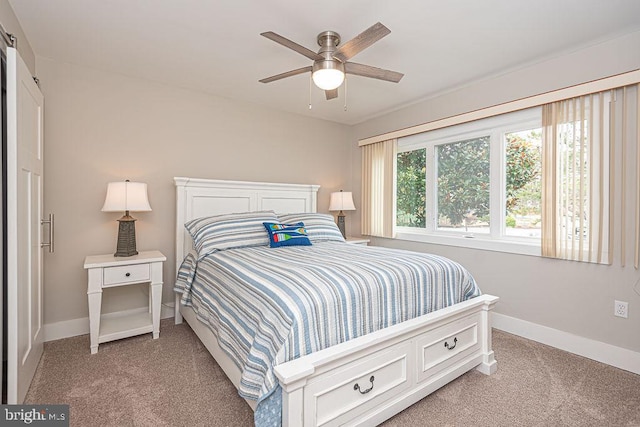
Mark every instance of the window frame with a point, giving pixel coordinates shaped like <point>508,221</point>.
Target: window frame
<point>496,128</point>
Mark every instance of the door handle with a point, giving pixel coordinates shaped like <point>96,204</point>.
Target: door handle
<point>51,223</point>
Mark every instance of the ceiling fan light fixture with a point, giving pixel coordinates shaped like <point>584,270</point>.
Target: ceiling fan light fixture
<point>328,74</point>
<point>328,78</point>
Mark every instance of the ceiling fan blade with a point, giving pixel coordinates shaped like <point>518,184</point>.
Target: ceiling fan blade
<point>291,45</point>
<point>287,74</point>
<point>361,42</point>
<point>373,72</point>
<point>331,94</point>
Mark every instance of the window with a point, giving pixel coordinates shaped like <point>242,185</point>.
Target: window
<point>463,185</point>
<point>556,180</point>
<point>477,184</point>
<point>410,199</point>
<point>523,184</point>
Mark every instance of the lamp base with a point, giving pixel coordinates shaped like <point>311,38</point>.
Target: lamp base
<point>126,237</point>
<point>341,224</point>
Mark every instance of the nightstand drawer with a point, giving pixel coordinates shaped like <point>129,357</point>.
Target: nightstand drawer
<point>358,241</point>
<point>125,274</point>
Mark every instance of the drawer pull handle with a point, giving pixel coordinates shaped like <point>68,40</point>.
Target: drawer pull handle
<point>357,387</point>
<point>451,347</point>
<point>128,274</point>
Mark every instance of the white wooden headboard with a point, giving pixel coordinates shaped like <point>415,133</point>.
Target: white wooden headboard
<point>196,198</point>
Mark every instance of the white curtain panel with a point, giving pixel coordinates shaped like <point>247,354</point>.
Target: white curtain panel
<point>586,185</point>
<point>378,188</point>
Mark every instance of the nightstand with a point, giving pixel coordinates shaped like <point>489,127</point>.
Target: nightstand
<point>358,241</point>
<point>107,271</point>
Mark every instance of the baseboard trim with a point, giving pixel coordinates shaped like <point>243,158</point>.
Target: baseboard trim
<point>75,327</point>
<point>602,352</point>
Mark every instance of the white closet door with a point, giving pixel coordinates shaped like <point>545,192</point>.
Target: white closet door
<point>24,236</point>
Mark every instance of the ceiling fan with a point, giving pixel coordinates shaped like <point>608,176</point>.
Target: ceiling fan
<point>331,62</point>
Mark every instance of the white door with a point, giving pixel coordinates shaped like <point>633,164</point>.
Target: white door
<point>24,236</point>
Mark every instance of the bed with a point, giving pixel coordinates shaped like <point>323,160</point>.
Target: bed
<point>364,380</point>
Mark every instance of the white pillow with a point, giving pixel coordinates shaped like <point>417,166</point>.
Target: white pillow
<point>229,231</point>
<point>320,227</point>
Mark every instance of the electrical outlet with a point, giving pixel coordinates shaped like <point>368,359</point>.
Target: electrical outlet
<point>621,308</point>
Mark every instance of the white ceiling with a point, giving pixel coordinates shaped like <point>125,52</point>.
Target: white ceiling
<point>214,45</point>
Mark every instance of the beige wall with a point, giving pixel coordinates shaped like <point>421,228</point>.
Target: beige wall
<point>12,26</point>
<point>103,127</point>
<point>568,296</point>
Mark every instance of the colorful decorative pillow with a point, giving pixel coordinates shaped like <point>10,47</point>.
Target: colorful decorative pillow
<point>287,234</point>
<point>320,227</point>
<point>229,231</point>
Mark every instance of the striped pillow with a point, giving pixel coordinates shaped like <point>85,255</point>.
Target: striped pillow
<point>229,231</point>
<point>287,234</point>
<point>320,227</point>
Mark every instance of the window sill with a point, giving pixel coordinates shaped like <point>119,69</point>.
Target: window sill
<point>477,242</point>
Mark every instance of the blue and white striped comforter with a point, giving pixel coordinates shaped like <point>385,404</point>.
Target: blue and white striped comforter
<point>270,305</point>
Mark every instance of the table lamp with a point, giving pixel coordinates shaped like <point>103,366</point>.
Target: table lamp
<point>126,196</point>
<point>341,201</point>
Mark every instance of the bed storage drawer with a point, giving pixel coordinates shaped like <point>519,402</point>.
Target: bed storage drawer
<point>440,349</point>
<point>339,395</point>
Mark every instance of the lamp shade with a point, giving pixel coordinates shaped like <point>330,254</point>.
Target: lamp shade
<point>126,196</point>
<point>341,201</point>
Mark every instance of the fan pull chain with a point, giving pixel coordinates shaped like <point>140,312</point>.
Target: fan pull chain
<point>345,92</point>
<point>310,83</point>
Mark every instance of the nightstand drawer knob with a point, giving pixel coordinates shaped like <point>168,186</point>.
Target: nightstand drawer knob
<point>128,274</point>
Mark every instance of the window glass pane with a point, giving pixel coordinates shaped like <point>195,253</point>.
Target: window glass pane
<point>523,183</point>
<point>463,185</point>
<point>411,181</point>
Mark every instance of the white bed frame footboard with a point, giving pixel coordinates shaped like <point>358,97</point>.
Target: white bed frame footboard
<point>362,381</point>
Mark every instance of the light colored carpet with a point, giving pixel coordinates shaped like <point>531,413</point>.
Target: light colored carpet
<point>173,381</point>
